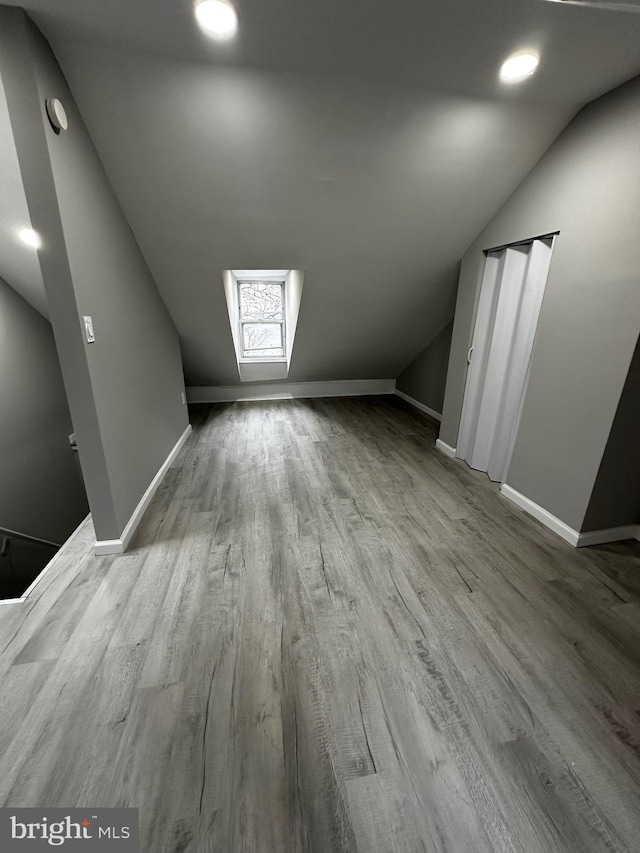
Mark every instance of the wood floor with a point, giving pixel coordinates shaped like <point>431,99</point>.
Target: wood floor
<point>330,637</point>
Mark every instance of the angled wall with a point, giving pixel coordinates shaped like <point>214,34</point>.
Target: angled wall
<point>587,188</point>
<point>615,499</point>
<point>425,378</point>
<point>125,389</point>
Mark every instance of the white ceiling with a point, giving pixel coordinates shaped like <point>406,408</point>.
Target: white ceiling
<point>366,142</point>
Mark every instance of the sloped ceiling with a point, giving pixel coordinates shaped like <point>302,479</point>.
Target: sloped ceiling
<point>364,142</point>
<point>19,265</point>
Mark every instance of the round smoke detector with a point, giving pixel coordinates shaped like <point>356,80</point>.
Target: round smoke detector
<point>57,114</point>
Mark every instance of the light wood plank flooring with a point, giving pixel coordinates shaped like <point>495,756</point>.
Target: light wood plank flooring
<point>329,637</point>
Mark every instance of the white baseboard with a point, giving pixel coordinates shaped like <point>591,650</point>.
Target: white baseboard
<point>50,564</point>
<point>418,405</point>
<point>446,449</point>
<point>567,533</point>
<point>573,537</point>
<point>289,390</point>
<point>119,546</point>
<point>612,534</point>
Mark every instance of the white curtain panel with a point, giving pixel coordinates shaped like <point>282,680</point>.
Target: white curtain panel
<point>507,317</point>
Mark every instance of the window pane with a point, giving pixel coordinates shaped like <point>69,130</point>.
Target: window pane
<point>261,300</point>
<point>262,339</point>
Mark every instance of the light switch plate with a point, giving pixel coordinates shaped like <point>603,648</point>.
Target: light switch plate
<point>88,329</point>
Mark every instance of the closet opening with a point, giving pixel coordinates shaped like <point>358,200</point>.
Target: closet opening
<point>509,306</point>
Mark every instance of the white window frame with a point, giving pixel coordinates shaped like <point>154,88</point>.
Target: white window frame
<point>242,323</point>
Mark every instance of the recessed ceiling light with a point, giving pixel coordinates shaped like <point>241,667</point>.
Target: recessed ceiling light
<point>217,18</point>
<point>30,237</point>
<point>518,67</point>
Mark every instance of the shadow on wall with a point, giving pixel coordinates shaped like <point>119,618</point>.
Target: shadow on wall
<point>41,492</point>
<point>615,499</point>
<point>425,378</point>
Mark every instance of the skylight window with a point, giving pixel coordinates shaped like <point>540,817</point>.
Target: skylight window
<point>263,308</point>
<point>262,319</point>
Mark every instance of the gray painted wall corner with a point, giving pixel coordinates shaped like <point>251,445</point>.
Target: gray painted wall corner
<point>615,499</point>
<point>425,378</point>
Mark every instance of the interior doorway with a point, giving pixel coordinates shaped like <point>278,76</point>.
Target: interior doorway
<point>508,310</point>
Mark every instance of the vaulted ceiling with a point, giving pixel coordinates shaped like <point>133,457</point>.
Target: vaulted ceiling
<point>19,265</point>
<point>365,142</point>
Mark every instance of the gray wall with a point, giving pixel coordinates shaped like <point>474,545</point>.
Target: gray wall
<point>615,500</point>
<point>124,390</point>
<point>587,186</point>
<point>41,491</point>
<point>425,378</point>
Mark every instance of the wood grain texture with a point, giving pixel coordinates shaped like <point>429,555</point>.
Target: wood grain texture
<point>329,637</point>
